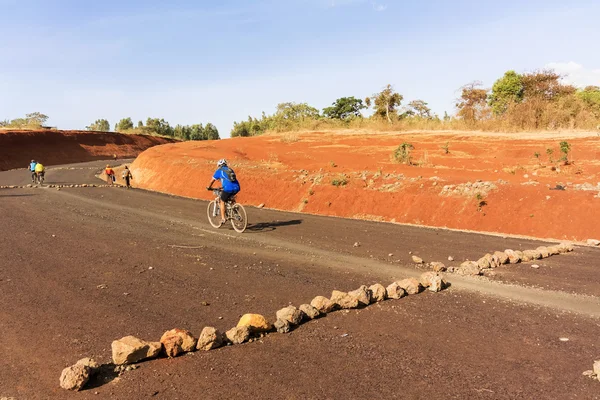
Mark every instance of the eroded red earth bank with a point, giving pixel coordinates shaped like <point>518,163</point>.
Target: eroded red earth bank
<point>52,147</point>
<point>486,182</point>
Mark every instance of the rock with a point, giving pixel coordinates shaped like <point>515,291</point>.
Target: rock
<point>525,256</point>
<point>532,254</point>
<point>310,311</point>
<point>597,369</point>
<point>283,326</point>
<point>519,253</point>
<point>291,314</point>
<point>130,350</point>
<point>173,346</point>
<point>323,304</point>
<point>438,266</point>
<point>437,284</point>
<point>469,268</point>
<point>75,377</point>
<point>90,363</point>
<point>378,292</point>
<point>394,291</point>
<point>343,300</point>
<point>553,250</point>
<point>535,266</point>
<point>566,247</point>
<point>262,205</point>
<point>501,257</point>
<point>593,242</point>
<point>238,335</point>
<point>450,258</point>
<point>543,251</point>
<point>362,295</point>
<point>417,260</point>
<point>426,277</point>
<point>256,322</point>
<point>410,285</point>
<point>513,257</point>
<point>589,373</point>
<point>210,338</point>
<point>494,261</point>
<point>484,263</point>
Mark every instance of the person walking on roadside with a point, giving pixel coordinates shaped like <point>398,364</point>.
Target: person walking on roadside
<point>127,176</point>
<point>32,165</point>
<point>110,175</point>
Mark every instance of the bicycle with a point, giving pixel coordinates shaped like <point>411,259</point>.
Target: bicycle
<point>38,179</point>
<point>234,212</point>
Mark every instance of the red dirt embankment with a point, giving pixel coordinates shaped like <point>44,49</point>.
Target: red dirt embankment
<point>486,182</point>
<point>51,147</point>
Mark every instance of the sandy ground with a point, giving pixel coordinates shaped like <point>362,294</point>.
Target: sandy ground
<point>478,339</point>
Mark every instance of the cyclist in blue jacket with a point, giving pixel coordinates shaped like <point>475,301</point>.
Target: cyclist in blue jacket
<point>32,170</point>
<point>229,185</point>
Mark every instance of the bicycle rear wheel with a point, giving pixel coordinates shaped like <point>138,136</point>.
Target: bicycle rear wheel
<point>214,214</point>
<point>239,220</point>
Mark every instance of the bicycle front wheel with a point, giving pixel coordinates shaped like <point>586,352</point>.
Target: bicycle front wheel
<point>214,214</point>
<point>239,220</point>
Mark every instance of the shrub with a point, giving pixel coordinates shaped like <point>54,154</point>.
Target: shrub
<point>565,148</point>
<point>402,153</point>
<point>342,181</point>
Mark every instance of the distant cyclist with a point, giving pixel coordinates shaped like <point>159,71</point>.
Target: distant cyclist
<point>40,171</point>
<point>32,170</point>
<point>229,184</point>
<point>110,175</point>
<point>127,176</point>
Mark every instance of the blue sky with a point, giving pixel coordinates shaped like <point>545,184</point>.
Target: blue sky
<point>220,61</point>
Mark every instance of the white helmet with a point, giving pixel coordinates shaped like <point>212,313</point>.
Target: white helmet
<point>221,162</point>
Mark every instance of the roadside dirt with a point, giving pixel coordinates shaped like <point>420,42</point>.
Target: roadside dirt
<point>455,344</point>
<point>493,183</point>
<point>51,147</point>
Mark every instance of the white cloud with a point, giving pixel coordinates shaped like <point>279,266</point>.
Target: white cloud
<point>379,7</point>
<point>576,74</point>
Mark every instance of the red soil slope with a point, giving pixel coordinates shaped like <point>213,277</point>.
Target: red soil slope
<point>51,147</point>
<point>297,172</point>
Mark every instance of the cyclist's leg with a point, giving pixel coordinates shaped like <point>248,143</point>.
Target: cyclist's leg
<point>223,199</point>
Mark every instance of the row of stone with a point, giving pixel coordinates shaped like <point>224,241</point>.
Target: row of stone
<point>54,186</point>
<point>130,350</point>
<point>499,258</point>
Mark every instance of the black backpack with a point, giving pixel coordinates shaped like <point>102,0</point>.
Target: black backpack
<point>230,174</point>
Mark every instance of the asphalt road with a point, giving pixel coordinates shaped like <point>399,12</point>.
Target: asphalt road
<point>81,267</point>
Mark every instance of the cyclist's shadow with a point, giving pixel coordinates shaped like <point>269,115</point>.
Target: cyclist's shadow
<point>271,226</point>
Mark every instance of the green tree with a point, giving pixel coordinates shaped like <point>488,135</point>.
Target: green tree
<point>124,125</point>
<point>344,108</point>
<point>100,125</point>
<point>420,109</point>
<point>140,124</point>
<point>296,111</point>
<point>385,103</point>
<point>506,90</point>
<point>591,98</point>
<point>159,127</point>
<point>36,119</point>
<point>211,132</point>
